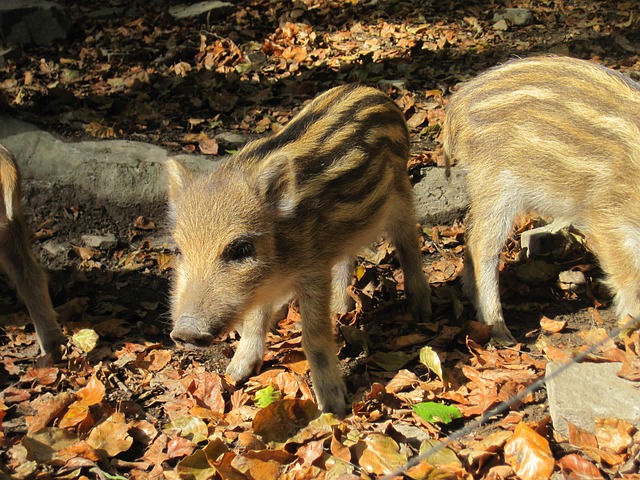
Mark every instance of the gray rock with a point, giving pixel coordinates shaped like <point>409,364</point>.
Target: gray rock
<point>231,140</point>
<point>572,280</point>
<point>586,391</point>
<point>438,199</point>
<point>212,9</point>
<point>55,248</point>
<point>119,171</point>
<point>32,21</point>
<point>515,16</point>
<point>103,242</point>
<point>534,239</point>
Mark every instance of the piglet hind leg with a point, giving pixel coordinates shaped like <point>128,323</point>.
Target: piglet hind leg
<point>318,341</point>
<point>249,355</point>
<point>30,280</point>
<point>487,231</point>
<point>342,274</point>
<point>403,232</point>
<point>619,256</point>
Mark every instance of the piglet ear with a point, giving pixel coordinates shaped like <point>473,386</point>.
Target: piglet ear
<point>179,177</point>
<point>277,185</point>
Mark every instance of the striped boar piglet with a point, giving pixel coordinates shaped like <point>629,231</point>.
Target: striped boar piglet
<point>558,136</point>
<point>19,263</point>
<point>285,216</point>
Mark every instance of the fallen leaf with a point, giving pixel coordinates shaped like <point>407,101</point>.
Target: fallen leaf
<point>613,434</point>
<point>575,467</point>
<point>529,454</point>
<point>266,396</point>
<point>431,360</point>
<point>552,326</point>
<point>381,455</point>
<point>283,418</point>
<point>433,412</point>
<point>112,435</point>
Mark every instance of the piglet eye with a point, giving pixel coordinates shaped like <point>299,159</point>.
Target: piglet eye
<point>238,250</point>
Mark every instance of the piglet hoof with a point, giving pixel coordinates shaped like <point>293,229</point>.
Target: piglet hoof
<point>53,348</point>
<point>501,335</point>
<point>420,310</point>
<point>241,369</point>
<point>333,398</point>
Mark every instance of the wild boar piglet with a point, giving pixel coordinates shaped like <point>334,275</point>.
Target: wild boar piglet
<point>285,216</point>
<point>558,136</point>
<point>18,262</point>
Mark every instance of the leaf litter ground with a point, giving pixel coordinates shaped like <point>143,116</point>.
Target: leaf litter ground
<point>125,402</point>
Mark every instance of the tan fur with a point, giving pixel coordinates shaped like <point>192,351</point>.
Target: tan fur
<point>19,263</point>
<point>559,136</point>
<point>303,201</point>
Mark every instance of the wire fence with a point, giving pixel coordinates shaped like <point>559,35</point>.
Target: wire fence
<point>631,324</point>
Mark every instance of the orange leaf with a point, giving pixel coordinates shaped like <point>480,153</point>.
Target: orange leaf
<point>529,454</point>
<point>581,438</point>
<point>208,146</point>
<point>552,326</point>
<point>92,393</point>
<point>574,466</point>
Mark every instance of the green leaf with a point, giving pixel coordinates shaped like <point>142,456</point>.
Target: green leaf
<point>430,359</point>
<point>266,396</point>
<point>436,412</point>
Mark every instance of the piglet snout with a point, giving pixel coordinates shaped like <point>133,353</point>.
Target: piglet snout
<point>188,331</point>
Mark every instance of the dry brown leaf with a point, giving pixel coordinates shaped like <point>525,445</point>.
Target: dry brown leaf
<point>381,455</point>
<point>206,387</point>
<point>142,223</point>
<point>47,408</point>
<point>208,146</point>
<point>417,119</point>
<point>552,326</point>
<point>529,454</point>
<point>43,376</point>
<point>580,437</point>
<point>112,435</point>
<point>613,434</point>
<point>96,129</point>
<point>575,467</point>
<point>283,418</point>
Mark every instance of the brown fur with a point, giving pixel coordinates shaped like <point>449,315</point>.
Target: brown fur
<point>558,136</point>
<point>19,263</point>
<point>287,214</point>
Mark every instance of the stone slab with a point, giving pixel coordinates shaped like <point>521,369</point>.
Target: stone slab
<point>586,391</point>
<point>120,171</point>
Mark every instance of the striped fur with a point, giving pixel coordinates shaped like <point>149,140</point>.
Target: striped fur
<point>286,214</point>
<point>19,263</point>
<point>558,136</point>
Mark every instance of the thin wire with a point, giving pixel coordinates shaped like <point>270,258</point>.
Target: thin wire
<point>504,406</point>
